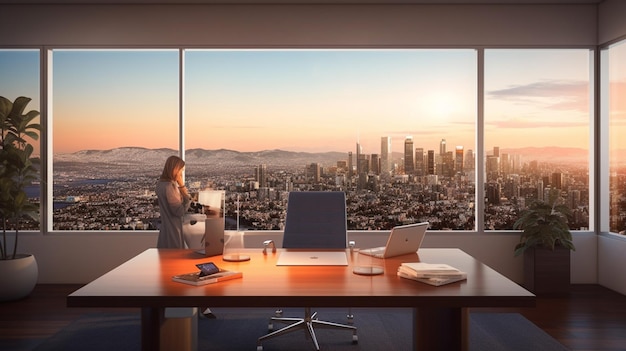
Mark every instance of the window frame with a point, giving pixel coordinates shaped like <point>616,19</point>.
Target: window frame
<point>598,169</point>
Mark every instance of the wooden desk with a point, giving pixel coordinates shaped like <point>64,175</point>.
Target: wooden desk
<point>440,317</point>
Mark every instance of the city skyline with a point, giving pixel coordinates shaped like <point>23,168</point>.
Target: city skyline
<point>445,200</point>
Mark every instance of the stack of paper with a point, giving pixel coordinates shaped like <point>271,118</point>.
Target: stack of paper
<point>431,273</point>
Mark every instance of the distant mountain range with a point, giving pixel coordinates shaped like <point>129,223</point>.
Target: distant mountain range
<point>224,157</point>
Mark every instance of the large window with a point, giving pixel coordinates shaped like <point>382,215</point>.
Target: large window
<point>19,76</point>
<point>537,127</point>
<point>115,118</point>
<point>394,129</point>
<point>616,109</point>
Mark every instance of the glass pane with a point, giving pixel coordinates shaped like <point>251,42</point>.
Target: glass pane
<point>115,121</point>
<point>617,130</point>
<point>19,76</point>
<point>537,114</point>
<point>261,123</point>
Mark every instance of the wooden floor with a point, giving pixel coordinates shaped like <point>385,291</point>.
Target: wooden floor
<point>589,318</point>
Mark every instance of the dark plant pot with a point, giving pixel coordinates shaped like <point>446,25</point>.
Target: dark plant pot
<point>547,272</point>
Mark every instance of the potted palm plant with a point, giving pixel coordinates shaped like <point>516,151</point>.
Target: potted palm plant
<point>546,243</point>
<point>18,169</point>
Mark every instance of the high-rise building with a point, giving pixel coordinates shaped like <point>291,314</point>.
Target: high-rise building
<point>505,163</point>
<point>409,164</point>
<point>350,169</point>
<point>442,147</point>
<point>573,198</point>
<point>557,180</point>
<point>496,151</point>
<point>493,193</point>
<point>359,152</point>
<point>261,175</point>
<point>363,164</point>
<point>540,190</point>
<point>313,172</point>
<point>447,164</point>
<point>469,160</point>
<point>493,166</point>
<point>385,155</point>
<point>458,159</point>
<point>430,162</point>
<point>516,161</point>
<point>375,164</point>
<point>420,169</point>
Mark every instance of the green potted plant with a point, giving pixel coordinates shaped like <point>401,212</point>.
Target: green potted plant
<point>546,243</point>
<point>18,271</point>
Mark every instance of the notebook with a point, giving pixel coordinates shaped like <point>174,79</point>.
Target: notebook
<point>403,240</point>
<point>312,258</point>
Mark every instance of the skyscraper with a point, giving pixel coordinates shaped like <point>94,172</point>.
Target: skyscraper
<point>505,163</point>
<point>492,166</point>
<point>385,155</point>
<point>261,175</point>
<point>359,151</point>
<point>442,147</point>
<point>469,160</point>
<point>458,159</point>
<point>430,162</point>
<point>363,164</point>
<point>350,169</point>
<point>419,161</point>
<point>557,180</point>
<point>447,164</point>
<point>375,164</point>
<point>409,163</point>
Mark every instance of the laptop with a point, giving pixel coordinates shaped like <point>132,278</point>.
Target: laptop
<point>404,239</point>
<point>312,258</point>
<point>213,237</point>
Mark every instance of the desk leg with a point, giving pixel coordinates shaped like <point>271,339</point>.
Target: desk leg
<point>441,329</point>
<point>151,320</point>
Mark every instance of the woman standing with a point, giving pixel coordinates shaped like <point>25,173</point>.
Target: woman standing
<point>174,201</point>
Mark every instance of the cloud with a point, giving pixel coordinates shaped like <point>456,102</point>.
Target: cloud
<point>561,95</point>
<point>531,123</point>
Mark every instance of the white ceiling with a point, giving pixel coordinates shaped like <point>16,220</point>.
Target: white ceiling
<point>441,2</point>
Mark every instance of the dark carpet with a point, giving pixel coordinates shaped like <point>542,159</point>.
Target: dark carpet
<point>238,329</point>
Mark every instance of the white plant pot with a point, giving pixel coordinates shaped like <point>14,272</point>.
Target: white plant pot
<point>19,277</point>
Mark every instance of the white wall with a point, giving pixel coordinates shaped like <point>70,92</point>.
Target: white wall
<point>611,262</point>
<point>81,257</point>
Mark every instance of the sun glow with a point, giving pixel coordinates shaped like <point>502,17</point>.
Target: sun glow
<point>442,105</point>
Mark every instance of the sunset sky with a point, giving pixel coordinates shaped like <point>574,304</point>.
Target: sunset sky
<point>308,100</point>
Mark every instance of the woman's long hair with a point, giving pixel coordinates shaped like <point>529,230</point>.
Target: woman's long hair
<point>172,166</point>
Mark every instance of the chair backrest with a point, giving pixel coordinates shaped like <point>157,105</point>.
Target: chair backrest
<point>316,220</point>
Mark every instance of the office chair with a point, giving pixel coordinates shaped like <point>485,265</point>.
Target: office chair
<point>315,220</point>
